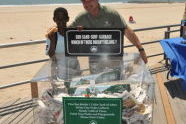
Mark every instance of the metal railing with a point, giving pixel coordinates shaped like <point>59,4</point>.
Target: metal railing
<point>167,35</point>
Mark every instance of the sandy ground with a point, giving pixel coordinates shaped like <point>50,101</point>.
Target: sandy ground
<point>25,23</point>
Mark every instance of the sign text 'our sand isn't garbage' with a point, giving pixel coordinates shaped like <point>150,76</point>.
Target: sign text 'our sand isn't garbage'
<point>93,39</point>
<point>93,42</point>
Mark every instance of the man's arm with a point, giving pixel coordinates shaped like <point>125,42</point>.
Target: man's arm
<point>129,33</point>
<point>51,31</point>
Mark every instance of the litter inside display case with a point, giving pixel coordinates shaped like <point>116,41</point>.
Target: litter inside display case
<point>129,80</point>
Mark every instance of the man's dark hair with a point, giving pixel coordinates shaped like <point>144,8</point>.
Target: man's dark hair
<point>61,9</point>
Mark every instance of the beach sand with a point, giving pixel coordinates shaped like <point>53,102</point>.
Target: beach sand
<point>25,23</point>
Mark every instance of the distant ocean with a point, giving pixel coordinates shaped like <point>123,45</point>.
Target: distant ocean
<point>36,2</point>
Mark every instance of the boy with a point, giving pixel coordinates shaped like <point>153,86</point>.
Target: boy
<point>62,67</point>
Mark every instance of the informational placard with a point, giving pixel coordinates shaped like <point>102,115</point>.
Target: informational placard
<point>81,110</point>
<point>94,42</point>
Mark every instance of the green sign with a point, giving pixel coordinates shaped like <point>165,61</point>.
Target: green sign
<point>81,110</point>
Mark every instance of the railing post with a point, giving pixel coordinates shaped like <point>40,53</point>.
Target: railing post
<point>167,36</point>
<point>34,90</point>
<point>167,33</point>
<point>168,28</point>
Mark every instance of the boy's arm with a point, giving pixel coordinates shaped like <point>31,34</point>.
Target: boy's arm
<point>51,42</point>
<point>47,46</point>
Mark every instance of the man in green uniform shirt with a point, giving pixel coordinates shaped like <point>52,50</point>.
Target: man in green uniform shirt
<point>97,16</point>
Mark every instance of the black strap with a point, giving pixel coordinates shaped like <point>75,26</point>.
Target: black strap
<point>55,41</point>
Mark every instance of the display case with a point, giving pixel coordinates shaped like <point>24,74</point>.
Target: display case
<point>127,78</point>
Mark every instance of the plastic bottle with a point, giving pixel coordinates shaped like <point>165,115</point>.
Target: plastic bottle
<point>183,25</point>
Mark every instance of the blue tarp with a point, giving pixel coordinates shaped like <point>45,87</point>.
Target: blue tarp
<point>175,51</point>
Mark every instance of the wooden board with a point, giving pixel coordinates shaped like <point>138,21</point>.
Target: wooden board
<point>24,113</point>
<point>158,111</point>
<point>165,100</point>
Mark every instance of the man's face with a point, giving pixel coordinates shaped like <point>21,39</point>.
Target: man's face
<point>90,5</point>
